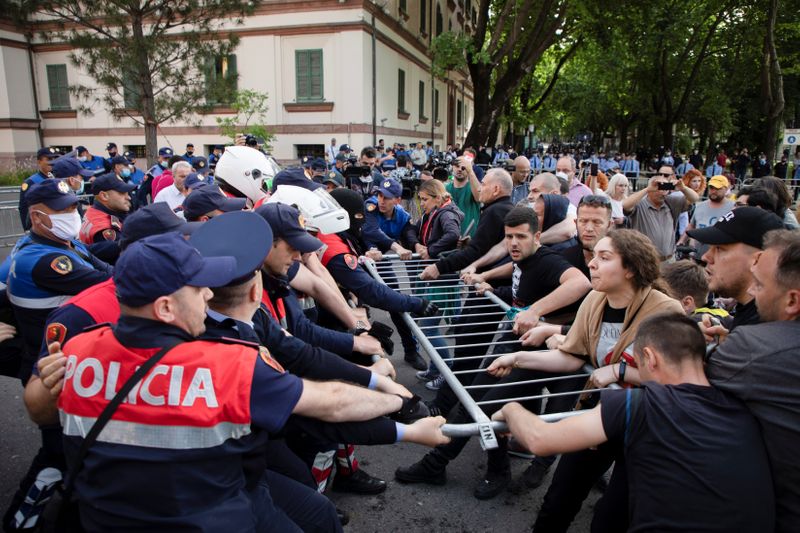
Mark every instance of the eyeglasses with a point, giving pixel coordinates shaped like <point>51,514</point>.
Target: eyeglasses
<point>663,175</point>
<point>593,200</point>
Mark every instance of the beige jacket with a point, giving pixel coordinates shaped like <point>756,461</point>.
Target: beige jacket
<point>584,334</point>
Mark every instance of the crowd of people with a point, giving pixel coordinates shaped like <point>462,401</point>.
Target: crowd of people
<point>199,323</point>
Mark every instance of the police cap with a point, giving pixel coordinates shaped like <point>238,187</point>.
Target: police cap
<point>206,199</point>
<point>200,164</point>
<point>213,239</point>
<point>111,182</point>
<point>195,180</point>
<point>119,160</point>
<point>162,264</point>
<point>109,146</point>
<point>154,219</point>
<point>318,164</point>
<point>390,188</point>
<point>48,152</point>
<point>54,193</point>
<point>80,149</point>
<point>288,224</point>
<point>66,167</point>
<point>165,151</point>
<point>334,176</point>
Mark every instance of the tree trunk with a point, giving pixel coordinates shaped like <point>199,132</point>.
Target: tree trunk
<point>771,85</point>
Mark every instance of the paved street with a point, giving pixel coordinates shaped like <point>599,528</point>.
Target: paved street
<point>407,508</point>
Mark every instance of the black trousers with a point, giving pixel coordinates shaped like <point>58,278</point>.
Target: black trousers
<point>574,477</point>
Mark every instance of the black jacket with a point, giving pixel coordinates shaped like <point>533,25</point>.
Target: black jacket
<point>490,231</point>
<point>440,230</point>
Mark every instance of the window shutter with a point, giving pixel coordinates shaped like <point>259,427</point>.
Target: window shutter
<point>58,86</point>
<point>315,74</point>
<point>233,73</point>
<point>421,99</point>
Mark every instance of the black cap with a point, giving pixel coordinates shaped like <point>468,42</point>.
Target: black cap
<point>80,149</point>
<point>54,193</point>
<point>195,180</point>
<point>48,152</point>
<point>340,157</point>
<point>200,164</point>
<point>111,182</point>
<point>213,239</point>
<point>119,160</point>
<point>747,225</point>
<point>154,219</point>
<point>66,167</point>
<point>130,156</point>
<point>206,199</point>
<point>345,148</point>
<point>109,146</point>
<point>288,224</point>
<point>318,164</point>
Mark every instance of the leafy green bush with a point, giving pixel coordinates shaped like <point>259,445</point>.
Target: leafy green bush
<point>15,176</point>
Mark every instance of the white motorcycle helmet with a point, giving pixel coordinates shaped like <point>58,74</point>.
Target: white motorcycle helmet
<point>320,210</point>
<point>242,171</point>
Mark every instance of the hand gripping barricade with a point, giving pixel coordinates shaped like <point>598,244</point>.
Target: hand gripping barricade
<point>449,293</point>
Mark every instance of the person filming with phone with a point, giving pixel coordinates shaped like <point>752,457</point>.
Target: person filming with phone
<point>655,213</point>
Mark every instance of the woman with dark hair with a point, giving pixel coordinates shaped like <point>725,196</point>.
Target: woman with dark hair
<point>625,276</point>
<point>778,187</point>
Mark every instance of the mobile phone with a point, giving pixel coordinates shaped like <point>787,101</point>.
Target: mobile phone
<point>593,169</point>
<point>666,186</point>
<point>468,157</point>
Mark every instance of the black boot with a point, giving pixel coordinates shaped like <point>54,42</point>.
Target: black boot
<point>430,470</point>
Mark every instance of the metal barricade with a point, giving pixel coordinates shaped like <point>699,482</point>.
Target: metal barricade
<point>449,293</point>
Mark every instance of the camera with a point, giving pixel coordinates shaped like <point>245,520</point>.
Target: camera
<point>250,140</point>
<point>440,166</point>
<point>666,186</point>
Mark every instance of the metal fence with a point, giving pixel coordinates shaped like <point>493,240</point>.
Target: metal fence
<point>450,293</point>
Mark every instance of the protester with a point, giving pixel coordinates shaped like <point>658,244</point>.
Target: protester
<point>617,191</point>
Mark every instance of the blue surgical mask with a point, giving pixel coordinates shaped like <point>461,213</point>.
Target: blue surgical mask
<point>126,173</point>
<point>164,164</point>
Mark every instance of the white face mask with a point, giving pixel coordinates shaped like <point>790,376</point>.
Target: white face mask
<point>65,225</point>
<point>83,159</point>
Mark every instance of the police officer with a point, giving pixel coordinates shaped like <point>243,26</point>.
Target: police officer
<point>44,158</point>
<point>111,149</point>
<point>333,179</point>
<point>132,174</point>
<point>213,158</point>
<point>179,465</point>
<point>189,155</point>
<point>119,163</point>
<point>200,165</point>
<point>102,224</point>
<point>50,264</point>
<point>386,223</point>
<point>341,259</point>
<point>164,155</point>
<point>207,202</point>
<point>299,176</point>
<point>95,163</point>
<point>70,170</point>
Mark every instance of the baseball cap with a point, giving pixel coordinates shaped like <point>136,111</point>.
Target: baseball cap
<point>288,224</point>
<point>162,264</point>
<point>340,157</point>
<point>390,188</point>
<point>747,225</point>
<point>200,164</point>
<point>47,151</point>
<point>165,151</point>
<point>154,219</point>
<point>109,146</point>
<point>334,176</point>
<point>66,167</point>
<point>188,145</point>
<point>80,149</point>
<point>130,156</point>
<point>213,239</point>
<point>345,148</point>
<point>718,182</point>
<point>111,182</point>
<point>206,199</point>
<point>119,160</point>
<point>318,164</point>
<point>195,180</point>
<point>306,161</point>
<point>54,193</point>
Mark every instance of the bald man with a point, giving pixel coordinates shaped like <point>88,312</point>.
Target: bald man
<point>520,177</point>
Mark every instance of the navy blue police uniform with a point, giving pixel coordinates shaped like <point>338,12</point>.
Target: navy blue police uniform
<point>193,416</point>
<point>30,181</point>
<point>44,273</point>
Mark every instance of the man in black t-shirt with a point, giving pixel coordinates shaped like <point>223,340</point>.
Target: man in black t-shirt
<point>593,223</point>
<point>693,455</point>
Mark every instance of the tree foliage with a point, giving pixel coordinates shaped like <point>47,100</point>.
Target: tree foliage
<point>250,109</point>
<point>146,59</point>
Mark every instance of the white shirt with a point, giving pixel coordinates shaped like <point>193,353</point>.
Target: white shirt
<point>173,197</point>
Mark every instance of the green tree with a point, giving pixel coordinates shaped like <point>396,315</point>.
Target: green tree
<point>251,116</point>
<point>146,58</point>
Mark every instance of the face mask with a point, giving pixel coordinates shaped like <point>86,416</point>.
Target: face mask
<point>189,152</point>
<point>65,225</point>
<point>126,173</point>
<point>763,160</point>
<point>82,187</point>
<point>83,159</point>
<point>164,164</point>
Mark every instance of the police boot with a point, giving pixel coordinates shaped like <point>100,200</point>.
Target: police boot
<point>359,482</point>
<point>431,470</point>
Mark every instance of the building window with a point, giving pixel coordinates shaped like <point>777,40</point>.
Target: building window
<point>459,112</point>
<point>439,20</point>
<point>308,70</point>
<point>221,80</point>
<point>422,100</point>
<point>423,16</point>
<point>58,86</point>
<point>436,105</point>
<point>139,150</point>
<point>63,148</point>
<point>130,94</point>
<point>403,6</point>
<point>401,91</point>
<point>313,150</point>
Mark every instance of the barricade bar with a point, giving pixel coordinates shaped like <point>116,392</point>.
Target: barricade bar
<point>488,438</point>
<point>540,396</point>
<point>468,430</point>
<point>526,382</point>
<point>463,324</point>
